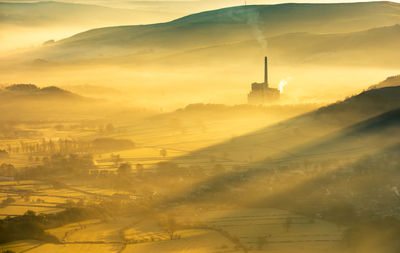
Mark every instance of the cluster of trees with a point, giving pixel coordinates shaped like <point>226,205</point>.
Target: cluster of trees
<point>7,170</point>
<point>58,164</point>
<point>24,88</point>
<point>27,226</point>
<point>6,202</point>
<point>31,226</point>
<point>68,146</point>
<point>93,126</point>
<point>124,169</point>
<point>64,146</point>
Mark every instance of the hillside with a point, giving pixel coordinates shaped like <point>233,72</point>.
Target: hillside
<point>340,49</point>
<point>345,130</point>
<point>243,21</point>
<point>389,82</point>
<point>314,164</point>
<point>50,13</point>
<point>307,48</point>
<point>29,102</point>
<point>31,23</point>
<point>292,33</point>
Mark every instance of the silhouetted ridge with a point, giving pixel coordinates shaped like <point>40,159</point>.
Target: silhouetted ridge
<point>31,90</point>
<point>390,81</point>
<point>230,26</point>
<point>367,103</point>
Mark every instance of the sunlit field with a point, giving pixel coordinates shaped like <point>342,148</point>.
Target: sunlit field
<point>226,230</point>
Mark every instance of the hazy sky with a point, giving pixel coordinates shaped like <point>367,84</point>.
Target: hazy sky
<point>183,7</point>
<point>117,3</point>
<point>178,8</point>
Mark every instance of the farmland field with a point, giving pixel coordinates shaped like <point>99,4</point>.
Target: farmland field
<point>224,230</point>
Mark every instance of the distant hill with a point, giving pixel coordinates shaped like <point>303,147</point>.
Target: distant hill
<point>51,13</point>
<point>31,91</point>
<point>382,45</point>
<point>389,82</point>
<point>294,33</point>
<point>30,102</point>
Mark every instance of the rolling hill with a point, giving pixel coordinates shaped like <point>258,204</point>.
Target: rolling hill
<point>382,45</point>
<point>51,13</point>
<point>321,164</point>
<point>30,102</point>
<point>31,23</point>
<point>31,91</point>
<point>280,139</point>
<point>294,33</point>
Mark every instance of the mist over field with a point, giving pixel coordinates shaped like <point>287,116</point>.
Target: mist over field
<point>199,126</point>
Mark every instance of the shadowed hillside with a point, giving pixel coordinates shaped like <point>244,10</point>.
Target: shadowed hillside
<point>278,140</point>
<point>326,174</point>
<point>251,28</point>
<point>306,48</point>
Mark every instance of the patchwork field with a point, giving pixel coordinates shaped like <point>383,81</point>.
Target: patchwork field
<point>41,197</point>
<point>226,230</point>
<point>179,138</point>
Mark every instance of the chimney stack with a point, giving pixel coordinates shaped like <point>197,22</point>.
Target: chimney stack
<point>266,72</point>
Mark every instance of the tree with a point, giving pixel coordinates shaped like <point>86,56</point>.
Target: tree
<point>116,159</point>
<point>30,213</point>
<point>7,170</point>
<point>110,128</point>
<point>163,152</point>
<point>139,168</point>
<point>169,225</point>
<point>124,168</point>
<point>288,223</point>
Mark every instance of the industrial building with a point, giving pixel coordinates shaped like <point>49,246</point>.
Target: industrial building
<point>261,93</point>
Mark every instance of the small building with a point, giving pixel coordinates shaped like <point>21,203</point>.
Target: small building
<point>261,93</point>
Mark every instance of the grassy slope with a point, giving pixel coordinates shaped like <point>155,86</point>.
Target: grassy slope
<point>341,150</point>
<point>278,140</point>
<point>220,29</point>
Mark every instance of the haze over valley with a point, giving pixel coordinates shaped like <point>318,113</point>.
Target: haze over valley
<point>199,126</point>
